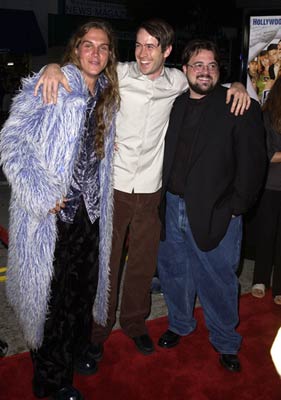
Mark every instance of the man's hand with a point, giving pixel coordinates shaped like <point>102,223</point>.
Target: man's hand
<point>51,77</point>
<point>59,206</point>
<point>241,98</point>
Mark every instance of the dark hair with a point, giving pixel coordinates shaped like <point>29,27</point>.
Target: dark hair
<point>273,105</point>
<point>195,46</point>
<point>272,46</point>
<point>161,30</point>
<point>109,99</point>
<point>263,53</point>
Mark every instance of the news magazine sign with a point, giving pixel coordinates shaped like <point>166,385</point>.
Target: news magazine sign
<point>99,9</point>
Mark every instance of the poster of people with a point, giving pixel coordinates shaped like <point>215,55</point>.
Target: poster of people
<point>264,58</point>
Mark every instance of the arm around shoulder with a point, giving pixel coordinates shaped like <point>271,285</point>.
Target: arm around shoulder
<point>50,79</point>
<point>241,98</point>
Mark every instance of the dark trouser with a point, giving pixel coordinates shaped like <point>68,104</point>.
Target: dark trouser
<point>68,325</point>
<point>268,244</point>
<point>139,212</point>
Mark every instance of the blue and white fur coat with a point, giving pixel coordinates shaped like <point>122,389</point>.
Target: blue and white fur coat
<point>38,148</point>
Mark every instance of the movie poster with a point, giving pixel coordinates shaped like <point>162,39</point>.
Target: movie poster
<point>264,57</point>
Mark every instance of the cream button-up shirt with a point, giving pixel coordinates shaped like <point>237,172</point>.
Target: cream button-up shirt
<point>141,126</point>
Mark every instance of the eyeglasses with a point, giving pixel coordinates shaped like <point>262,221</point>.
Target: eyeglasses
<point>199,66</point>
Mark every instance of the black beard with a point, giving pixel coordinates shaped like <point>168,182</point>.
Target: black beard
<point>197,89</point>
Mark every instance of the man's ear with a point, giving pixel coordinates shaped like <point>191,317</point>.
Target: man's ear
<point>168,50</point>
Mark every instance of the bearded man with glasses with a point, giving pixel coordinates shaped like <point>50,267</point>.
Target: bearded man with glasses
<point>214,166</point>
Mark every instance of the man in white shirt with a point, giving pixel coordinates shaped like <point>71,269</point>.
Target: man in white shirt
<point>148,90</point>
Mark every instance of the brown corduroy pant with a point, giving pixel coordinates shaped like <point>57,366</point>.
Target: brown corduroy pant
<point>137,213</point>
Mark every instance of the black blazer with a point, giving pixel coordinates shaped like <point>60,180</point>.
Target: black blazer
<point>226,169</point>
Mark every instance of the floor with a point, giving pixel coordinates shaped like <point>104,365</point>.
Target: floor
<point>9,329</point>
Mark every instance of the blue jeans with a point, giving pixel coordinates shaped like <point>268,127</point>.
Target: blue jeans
<point>185,272</point>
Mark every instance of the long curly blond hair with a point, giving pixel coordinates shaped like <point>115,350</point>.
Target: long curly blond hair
<point>109,100</point>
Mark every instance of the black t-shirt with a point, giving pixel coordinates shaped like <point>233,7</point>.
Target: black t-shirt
<point>193,114</point>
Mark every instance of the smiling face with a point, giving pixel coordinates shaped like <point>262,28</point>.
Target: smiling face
<point>93,54</point>
<point>201,80</point>
<point>149,55</point>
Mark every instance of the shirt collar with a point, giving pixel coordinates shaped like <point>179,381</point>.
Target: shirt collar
<point>102,82</point>
<point>100,85</point>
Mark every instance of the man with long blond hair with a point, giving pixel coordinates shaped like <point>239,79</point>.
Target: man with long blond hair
<point>59,162</point>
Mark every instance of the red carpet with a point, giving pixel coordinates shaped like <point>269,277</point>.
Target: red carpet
<point>190,371</point>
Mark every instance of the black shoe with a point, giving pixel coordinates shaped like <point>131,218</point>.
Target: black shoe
<point>86,365</point>
<point>67,393</point>
<point>96,351</point>
<point>230,362</point>
<point>169,339</point>
<point>144,344</point>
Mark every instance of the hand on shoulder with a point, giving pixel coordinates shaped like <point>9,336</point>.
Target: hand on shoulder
<point>50,79</point>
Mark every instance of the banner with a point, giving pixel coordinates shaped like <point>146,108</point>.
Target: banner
<point>264,56</point>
